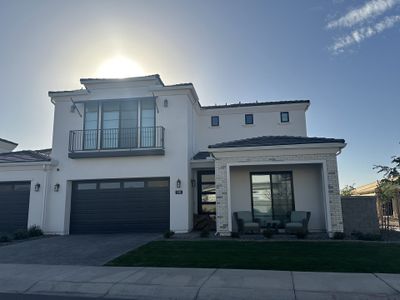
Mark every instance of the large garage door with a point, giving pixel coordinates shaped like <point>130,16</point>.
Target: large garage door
<point>14,205</point>
<point>126,205</point>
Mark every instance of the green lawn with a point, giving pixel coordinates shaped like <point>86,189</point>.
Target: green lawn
<point>291,255</point>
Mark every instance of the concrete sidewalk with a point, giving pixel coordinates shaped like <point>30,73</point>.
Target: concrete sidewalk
<point>179,283</point>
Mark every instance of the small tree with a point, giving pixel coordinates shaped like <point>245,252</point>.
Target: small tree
<point>347,190</point>
<point>387,188</point>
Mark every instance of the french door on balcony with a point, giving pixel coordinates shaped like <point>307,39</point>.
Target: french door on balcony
<point>119,125</point>
<point>272,196</point>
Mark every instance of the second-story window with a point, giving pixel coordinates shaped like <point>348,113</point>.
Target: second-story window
<point>248,119</point>
<point>284,117</point>
<point>215,121</point>
<point>119,124</point>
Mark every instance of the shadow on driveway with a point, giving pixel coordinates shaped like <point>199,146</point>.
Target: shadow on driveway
<point>91,250</point>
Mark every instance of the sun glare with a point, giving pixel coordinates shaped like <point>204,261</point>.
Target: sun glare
<point>119,67</point>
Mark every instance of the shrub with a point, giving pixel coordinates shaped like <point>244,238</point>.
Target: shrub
<point>268,233</point>
<point>4,238</point>
<point>339,235</point>
<point>34,231</point>
<point>205,233</point>
<point>235,235</point>
<point>357,235</point>
<point>168,234</point>
<point>301,234</point>
<point>21,234</point>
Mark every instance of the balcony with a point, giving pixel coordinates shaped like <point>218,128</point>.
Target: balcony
<point>116,142</point>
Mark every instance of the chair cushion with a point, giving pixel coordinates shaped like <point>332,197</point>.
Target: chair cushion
<point>294,225</point>
<point>246,216</point>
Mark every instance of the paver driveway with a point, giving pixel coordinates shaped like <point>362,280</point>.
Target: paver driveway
<point>73,249</point>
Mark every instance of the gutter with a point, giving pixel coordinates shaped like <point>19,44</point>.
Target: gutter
<point>278,147</point>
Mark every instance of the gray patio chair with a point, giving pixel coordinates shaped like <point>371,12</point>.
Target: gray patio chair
<point>298,222</point>
<point>246,223</point>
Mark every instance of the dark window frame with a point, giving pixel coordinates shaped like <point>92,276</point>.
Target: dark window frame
<point>214,118</point>
<point>283,113</point>
<point>248,121</point>
<point>200,192</point>
<point>272,192</point>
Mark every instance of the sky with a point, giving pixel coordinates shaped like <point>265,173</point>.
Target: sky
<point>342,55</point>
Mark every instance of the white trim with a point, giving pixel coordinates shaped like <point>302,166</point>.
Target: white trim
<point>296,146</point>
<point>325,189</point>
<point>228,194</point>
<point>19,164</point>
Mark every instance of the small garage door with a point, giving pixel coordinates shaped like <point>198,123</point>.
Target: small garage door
<point>14,205</point>
<point>126,205</point>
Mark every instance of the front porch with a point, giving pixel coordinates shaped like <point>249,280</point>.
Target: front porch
<point>271,187</point>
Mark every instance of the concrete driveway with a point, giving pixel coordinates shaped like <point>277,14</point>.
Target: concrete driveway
<point>90,250</point>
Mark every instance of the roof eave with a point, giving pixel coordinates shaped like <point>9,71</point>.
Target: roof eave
<point>275,147</point>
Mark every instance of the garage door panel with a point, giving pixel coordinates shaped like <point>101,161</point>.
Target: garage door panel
<point>14,205</point>
<point>134,207</point>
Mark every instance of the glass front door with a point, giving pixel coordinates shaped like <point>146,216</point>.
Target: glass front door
<point>206,192</point>
<point>272,196</point>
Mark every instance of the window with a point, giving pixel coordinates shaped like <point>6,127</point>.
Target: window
<point>248,119</point>
<point>133,184</point>
<point>22,187</point>
<point>284,117</point>
<point>90,125</point>
<point>115,124</point>
<point>215,121</point>
<point>158,183</point>
<point>272,196</point>
<point>110,185</point>
<point>87,186</point>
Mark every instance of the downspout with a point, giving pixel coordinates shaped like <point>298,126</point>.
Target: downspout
<point>45,192</point>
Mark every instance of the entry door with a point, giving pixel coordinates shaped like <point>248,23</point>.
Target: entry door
<point>206,192</point>
<point>272,196</point>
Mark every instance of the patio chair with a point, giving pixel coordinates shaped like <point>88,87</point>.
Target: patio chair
<point>246,223</point>
<point>298,222</point>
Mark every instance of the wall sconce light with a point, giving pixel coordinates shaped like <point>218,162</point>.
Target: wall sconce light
<point>193,182</point>
<point>165,102</point>
<point>178,184</point>
<point>56,187</point>
<point>37,187</point>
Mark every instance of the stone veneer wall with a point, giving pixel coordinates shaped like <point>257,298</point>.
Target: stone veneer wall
<point>333,185</point>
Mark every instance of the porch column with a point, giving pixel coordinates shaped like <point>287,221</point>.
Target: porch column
<point>335,203</point>
<point>222,217</point>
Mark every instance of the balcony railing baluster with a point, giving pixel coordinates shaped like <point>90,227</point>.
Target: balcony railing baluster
<point>116,139</point>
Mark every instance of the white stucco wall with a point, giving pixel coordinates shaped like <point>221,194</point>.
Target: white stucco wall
<point>174,164</point>
<point>35,174</point>
<point>307,187</point>
<point>232,125</point>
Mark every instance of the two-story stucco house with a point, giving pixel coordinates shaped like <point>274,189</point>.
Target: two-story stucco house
<point>135,154</point>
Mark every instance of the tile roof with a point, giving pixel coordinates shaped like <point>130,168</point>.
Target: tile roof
<point>24,156</point>
<point>7,141</point>
<point>256,104</point>
<point>275,141</point>
<point>201,155</point>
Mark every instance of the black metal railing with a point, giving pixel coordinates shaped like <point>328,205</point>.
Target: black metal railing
<point>116,139</point>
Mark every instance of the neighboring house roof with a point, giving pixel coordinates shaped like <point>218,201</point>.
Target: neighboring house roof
<point>201,155</point>
<point>7,141</point>
<point>263,103</point>
<point>24,156</point>
<point>275,141</point>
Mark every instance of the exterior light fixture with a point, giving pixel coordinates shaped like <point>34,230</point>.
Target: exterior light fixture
<point>178,184</point>
<point>165,102</point>
<point>37,187</point>
<point>56,187</point>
